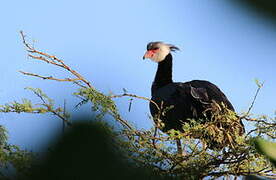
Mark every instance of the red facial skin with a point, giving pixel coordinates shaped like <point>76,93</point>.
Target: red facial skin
<point>150,53</point>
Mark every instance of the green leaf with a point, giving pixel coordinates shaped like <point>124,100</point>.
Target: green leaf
<point>267,148</point>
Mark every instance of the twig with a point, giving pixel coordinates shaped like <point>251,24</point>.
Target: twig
<point>154,135</point>
<point>242,173</point>
<point>52,60</point>
<point>130,103</point>
<point>48,77</point>
<point>64,115</point>
<point>259,121</point>
<point>122,121</point>
<point>62,118</point>
<point>50,109</point>
<point>135,96</point>
<point>254,99</point>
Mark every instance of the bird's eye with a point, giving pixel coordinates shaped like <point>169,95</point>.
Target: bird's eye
<point>155,48</point>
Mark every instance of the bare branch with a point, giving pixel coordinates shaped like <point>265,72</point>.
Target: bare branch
<point>254,99</point>
<point>48,77</point>
<point>51,59</point>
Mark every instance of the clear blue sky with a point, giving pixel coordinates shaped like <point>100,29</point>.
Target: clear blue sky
<point>105,41</point>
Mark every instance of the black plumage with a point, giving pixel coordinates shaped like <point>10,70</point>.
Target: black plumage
<point>188,100</point>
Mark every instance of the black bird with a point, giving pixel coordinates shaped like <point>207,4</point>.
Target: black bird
<point>190,100</point>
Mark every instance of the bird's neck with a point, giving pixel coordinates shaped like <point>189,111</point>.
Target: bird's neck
<point>163,75</point>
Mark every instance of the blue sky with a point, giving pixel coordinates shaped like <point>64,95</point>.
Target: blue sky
<point>105,41</point>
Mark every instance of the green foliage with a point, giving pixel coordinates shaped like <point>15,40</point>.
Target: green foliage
<point>41,95</point>
<point>46,105</point>
<point>233,153</point>
<point>3,135</point>
<point>100,102</point>
<point>12,157</point>
<point>267,148</point>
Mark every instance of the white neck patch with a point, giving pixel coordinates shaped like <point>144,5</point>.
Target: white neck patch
<point>160,55</point>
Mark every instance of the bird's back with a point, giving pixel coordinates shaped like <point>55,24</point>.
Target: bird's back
<point>213,92</point>
<point>186,101</point>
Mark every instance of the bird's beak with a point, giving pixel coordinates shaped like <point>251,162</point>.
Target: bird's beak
<point>148,54</point>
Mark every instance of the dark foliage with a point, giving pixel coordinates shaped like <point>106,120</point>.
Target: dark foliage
<point>88,151</point>
<point>266,8</point>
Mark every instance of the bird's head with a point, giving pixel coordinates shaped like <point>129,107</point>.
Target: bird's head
<point>157,51</point>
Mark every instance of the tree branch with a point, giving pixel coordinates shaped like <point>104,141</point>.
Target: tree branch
<point>135,96</point>
<point>52,60</point>
<point>49,77</point>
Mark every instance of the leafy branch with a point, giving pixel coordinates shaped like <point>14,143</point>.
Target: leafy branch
<point>156,150</point>
<point>45,106</point>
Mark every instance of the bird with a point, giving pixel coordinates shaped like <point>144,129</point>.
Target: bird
<point>188,100</point>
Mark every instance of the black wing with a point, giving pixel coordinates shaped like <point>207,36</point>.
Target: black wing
<point>211,90</point>
<point>189,101</point>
